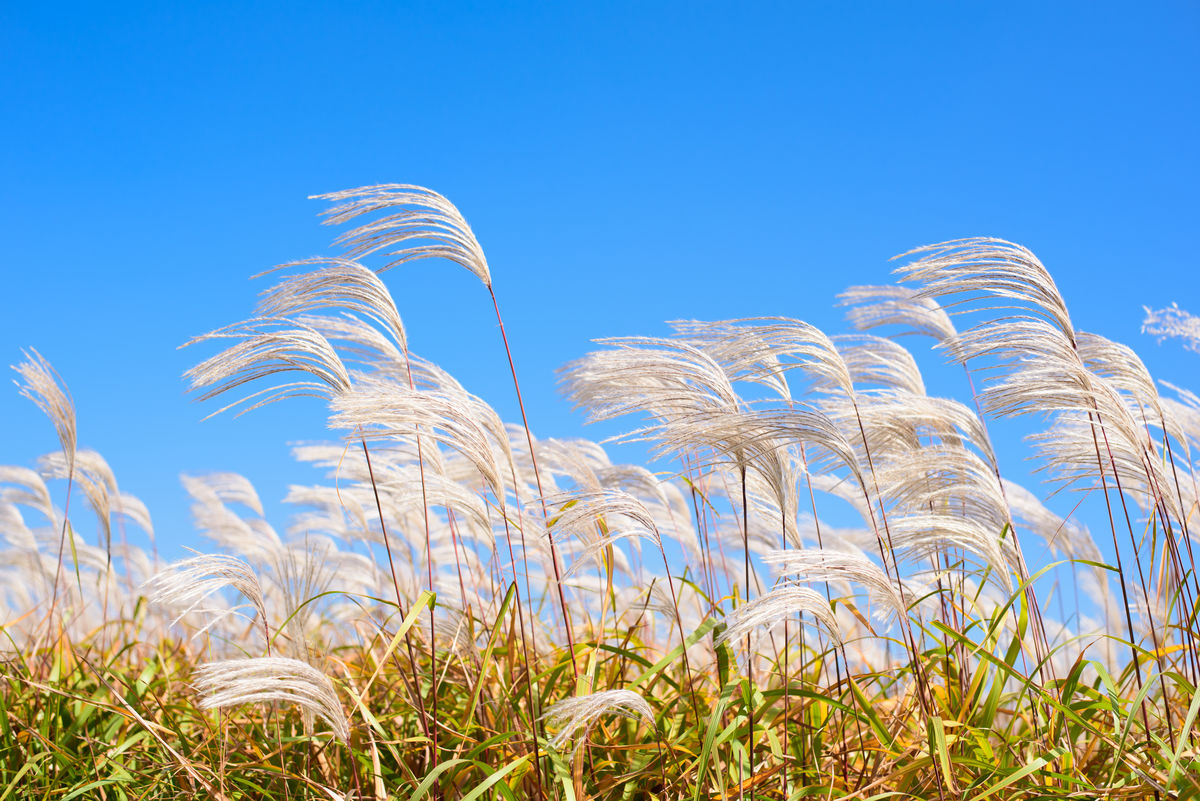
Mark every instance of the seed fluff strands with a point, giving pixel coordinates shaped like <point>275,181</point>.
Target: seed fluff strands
<point>235,682</point>
<point>776,606</point>
<point>822,566</point>
<point>1173,322</point>
<point>42,385</point>
<point>337,284</point>
<point>187,583</point>
<point>417,223</point>
<point>268,346</point>
<point>877,306</point>
<point>574,717</point>
<point>30,490</point>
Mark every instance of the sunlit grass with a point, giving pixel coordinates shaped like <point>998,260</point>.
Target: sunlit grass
<point>464,611</point>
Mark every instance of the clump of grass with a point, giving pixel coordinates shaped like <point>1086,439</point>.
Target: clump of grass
<point>466,611</point>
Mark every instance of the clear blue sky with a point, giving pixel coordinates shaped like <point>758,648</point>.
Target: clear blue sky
<point>622,164</point>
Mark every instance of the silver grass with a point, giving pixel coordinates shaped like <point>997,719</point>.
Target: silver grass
<point>774,344</point>
<point>929,535</point>
<point>594,548</point>
<point>138,565</point>
<point>254,537</point>
<point>950,497</point>
<point>343,463</point>
<point>1069,537</point>
<point>1068,452</point>
<point>30,490</point>
<point>946,478</point>
<point>412,223</point>
<point>13,529</point>
<point>580,461</point>
<point>1037,334</point>
<point>379,409</point>
<point>821,566</point>
<point>880,362</point>
<point>688,389</point>
<point>778,605</point>
<point>877,306</point>
<point>441,492</point>
<point>340,512</point>
<point>42,385</point>
<point>1183,411</point>
<point>186,584</point>
<point>235,682</point>
<point>675,522</point>
<point>846,491</point>
<point>580,512</point>
<point>92,557</point>
<point>24,574</point>
<point>653,598</point>
<point>663,378</point>
<point>834,539</point>
<point>745,436</point>
<point>1046,364</point>
<point>1125,371</point>
<point>742,353</point>
<point>132,508</point>
<point>226,488</point>
<point>575,717</point>
<point>301,572</point>
<point>1127,374</point>
<point>264,347</point>
<point>359,342</point>
<point>968,268</point>
<point>897,424</point>
<point>1173,321</point>
<point>772,489</point>
<point>339,284</point>
<point>92,474</point>
<point>433,382</point>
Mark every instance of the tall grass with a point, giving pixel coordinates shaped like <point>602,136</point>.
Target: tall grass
<point>827,587</point>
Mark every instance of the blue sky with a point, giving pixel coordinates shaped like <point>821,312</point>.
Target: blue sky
<point>622,165</point>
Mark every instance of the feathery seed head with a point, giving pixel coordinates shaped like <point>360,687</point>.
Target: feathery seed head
<point>414,223</point>
<point>574,717</point>
<point>42,385</point>
<point>266,679</point>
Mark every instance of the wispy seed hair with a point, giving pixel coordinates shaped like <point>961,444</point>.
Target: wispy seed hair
<point>42,385</point>
<point>414,223</point>
<point>264,679</point>
<point>574,717</point>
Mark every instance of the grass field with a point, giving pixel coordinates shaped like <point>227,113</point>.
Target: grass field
<point>823,588</point>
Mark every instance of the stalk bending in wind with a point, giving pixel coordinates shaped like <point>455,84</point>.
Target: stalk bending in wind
<point>418,223</point>
<point>44,387</point>
<point>1044,370</point>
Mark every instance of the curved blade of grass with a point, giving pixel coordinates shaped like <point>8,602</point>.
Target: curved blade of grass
<point>424,601</point>
<point>487,658</point>
<point>1128,725</point>
<point>1183,737</point>
<point>1020,773</point>
<point>494,778</point>
<point>29,765</point>
<point>710,735</point>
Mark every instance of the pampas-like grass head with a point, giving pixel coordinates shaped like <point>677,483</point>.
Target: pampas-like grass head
<point>1173,322</point>
<point>776,606</point>
<point>574,717</point>
<point>42,385</point>
<point>250,681</point>
<point>185,584</point>
<point>416,223</point>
